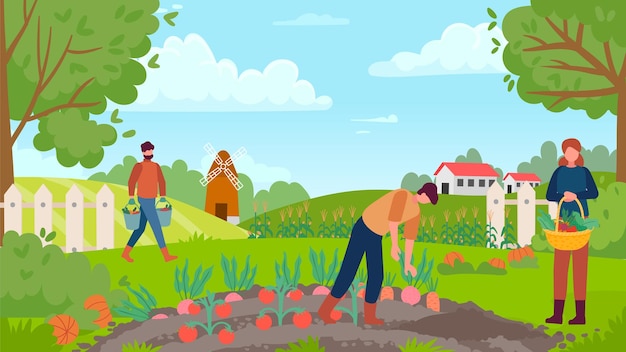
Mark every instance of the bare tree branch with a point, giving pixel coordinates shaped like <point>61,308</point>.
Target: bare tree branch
<point>24,9</point>
<point>565,28</point>
<point>562,65</point>
<point>87,51</point>
<point>550,46</point>
<point>537,39</point>
<point>567,94</point>
<point>20,33</point>
<point>579,34</point>
<point>58,64</point>
<point>609,58</point>
<point>79,90</point>
<point>622,73</point>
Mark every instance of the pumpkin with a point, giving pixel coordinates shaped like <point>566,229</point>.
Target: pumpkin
<point>65,328</point>
<point>519,253</point>
<point>497,263</point>
<point>99,303</point>
<point>451,257</point>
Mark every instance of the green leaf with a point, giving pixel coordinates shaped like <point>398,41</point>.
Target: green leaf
<point>577,83</point>
<point>81,29</point>
<point>75,67</point>
<point>168,17</point>
<point>600,14</point>
<point>63,18</point>
<point>42,232</point>
<point>153,61</point>
<point>133,16</point>
<point>51,236</point>
<point>45,259</point>
<point>536,60</point>
<point>511,85</point>
<point>114,118</point>
<point>491,13</point>
<point>517,44</point>
<point>494,50</point>
<point>507,78</point>
<point>116,51</point>
<point>533,25</point>
<point>141,299</point>
<point>492,25</point>
<point>123,281</point>
<point>610,16</point>
<point>495,41</point>
<point>525,27</point>
<point>150,297</point>
<point>226,271</point>
<point>120,12</point>
<point>177,286</point>
<point>117,40</point>
<point>556,79</point>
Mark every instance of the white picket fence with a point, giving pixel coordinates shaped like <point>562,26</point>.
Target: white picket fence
<point>526,203</point>
<point>74,215</point>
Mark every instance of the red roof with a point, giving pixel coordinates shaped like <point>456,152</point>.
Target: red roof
<point>523,177</point>
<point>469,169</point>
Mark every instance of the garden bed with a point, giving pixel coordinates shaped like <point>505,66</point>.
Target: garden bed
<point>459,327</point>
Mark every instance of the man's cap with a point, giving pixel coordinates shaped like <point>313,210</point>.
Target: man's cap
<point>431,191</point>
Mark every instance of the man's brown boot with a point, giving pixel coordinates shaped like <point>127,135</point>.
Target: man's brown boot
<point>166,255</point>
<point>126,254</point>
<point>326,308</point>
<point>369,310</point>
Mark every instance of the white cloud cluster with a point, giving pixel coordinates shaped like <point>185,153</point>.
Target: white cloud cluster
<point>177,6</point>
<point>462,49</point>
<point>190,78</point>
<point>392,118</point>
<point>259,173</point>
<point>313,19</point>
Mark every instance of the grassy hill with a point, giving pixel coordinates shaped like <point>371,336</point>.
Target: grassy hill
<point>186,219</point>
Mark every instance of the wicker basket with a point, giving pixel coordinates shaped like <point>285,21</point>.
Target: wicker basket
<point>567,241</point>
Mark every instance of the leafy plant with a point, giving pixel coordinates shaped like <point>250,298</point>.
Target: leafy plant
<point>140,313</point>
<point>24,338</point>
<point>136,347</point>
<point>488,269</point>
<point>281,288</point>
<point>614,339</point>
<point>235,281</point>
<point>311,344</point>
<point>389,279</point>
<point>353,311</point>
<point>196,238</point>
<point>184,287</point>
<point>458,268</point>
<point>282,270</point>
<point>362,275</point>
<point>525,262</point>
<point>209,302</point>
<point>424,270</point>
<point>324,276</point>
<point>413,346</point>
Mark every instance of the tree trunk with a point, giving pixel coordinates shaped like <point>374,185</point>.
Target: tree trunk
<point>6,152</point>
<point>620,170</point>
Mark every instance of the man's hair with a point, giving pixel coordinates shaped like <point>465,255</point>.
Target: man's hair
<point>431,191</point>
<point>146,146</point>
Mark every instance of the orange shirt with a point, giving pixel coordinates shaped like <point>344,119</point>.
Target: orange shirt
<point>395,206</point>
<point>148,178</point>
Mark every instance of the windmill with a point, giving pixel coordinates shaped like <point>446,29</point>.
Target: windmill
<point>222,185</point>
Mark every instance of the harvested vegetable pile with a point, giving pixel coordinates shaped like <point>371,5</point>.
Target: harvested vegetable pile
<point>570,222</point>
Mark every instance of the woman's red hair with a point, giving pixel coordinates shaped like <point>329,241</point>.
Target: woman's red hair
<point>572,143</point>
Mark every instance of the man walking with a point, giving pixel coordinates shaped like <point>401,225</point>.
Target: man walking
<point>148,178</point>
<point>382,216</point>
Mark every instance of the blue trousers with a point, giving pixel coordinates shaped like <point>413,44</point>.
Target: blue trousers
<point>147,208</point>
<point>362,241</point>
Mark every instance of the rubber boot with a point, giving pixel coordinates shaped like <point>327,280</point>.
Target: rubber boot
<point>166,255</point>
<point>557,318</point>
<point>326,308</point>
<point>126,254</point>
<point>580,318</point>
<point>369,310</point>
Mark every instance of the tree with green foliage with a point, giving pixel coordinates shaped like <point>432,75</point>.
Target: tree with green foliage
<point>473,156</point>
<point>413,182</point>
<point>571,54</point>
<point>59,63</point>
<point>281,194</point>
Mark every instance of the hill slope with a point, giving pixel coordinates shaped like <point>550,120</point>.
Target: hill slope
<point>186,219</point>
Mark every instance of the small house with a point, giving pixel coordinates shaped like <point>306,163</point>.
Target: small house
<point>472,179</point>
<point>514,180</point>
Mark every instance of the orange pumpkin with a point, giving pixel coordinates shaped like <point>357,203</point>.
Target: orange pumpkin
<point>451,257</point>
<point>519,253</point>
<point>65,328</point>
<point>99,303</point>
<point>497,263</point>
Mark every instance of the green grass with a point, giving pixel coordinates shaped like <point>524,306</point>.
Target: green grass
<point>185,219</point>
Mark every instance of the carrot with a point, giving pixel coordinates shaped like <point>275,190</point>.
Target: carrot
<point>432,301</point>
<point>361,292</point>
<point>386,293</point>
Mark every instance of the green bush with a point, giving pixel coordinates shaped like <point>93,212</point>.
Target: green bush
<point>413,346</point>
<point>24,338</point>
<point>614,339</point>
<point>526,262</point>
<point>488,269</point>
<point>38,279</point>
<point>458,268</point>
<point>312,344</point>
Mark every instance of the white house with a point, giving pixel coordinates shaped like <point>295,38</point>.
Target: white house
<point>472,179</point>
<point>514,180</point>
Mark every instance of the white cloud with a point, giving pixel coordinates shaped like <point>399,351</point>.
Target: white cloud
<point>312,19</point>
<point>191,79</point>
<point>362,132</point>
<point>161,10</point>
<point>259,173</point>
<point>177,6</point>
<point>29,162</point>
<point>392,118</point>
<point>462,49</point>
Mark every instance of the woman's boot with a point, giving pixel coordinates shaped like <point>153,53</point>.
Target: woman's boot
<point>557,318</point>
<point>580,318</point>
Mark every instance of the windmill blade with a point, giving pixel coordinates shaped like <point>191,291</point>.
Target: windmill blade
<point>208,178</point>
<point>233,179</point>
<point>211,151</point>
<point>238,154</point>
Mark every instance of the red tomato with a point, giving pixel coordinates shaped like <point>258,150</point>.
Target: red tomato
<point>194,309</point>
<point>302,320</point>
<point>336,314</point>
<point>187,334</point>
<point>571,229</point>
<point>226,336</point>
<point>264,322</point>
<point>295,295</point>
<point>223,310</point>
<point>266,296</point>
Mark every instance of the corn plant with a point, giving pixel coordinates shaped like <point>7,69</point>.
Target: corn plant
<point>446,230</point>
<point>422,236</point>
<point>209,302</point>
<point>508,235</point>
<point>283,229</point>
<point>266,230</point>
<point>475,229</point>
<point>423,269</point>
<point>491,234</point>
<point>255,228</point>
<point>433,233</point>
<point>281,288</point>
<point>184,287</point>
<point>324,231</point>
<point>235,281</point>
<point>304,227</point>
<point>353,311</point>
<point>293,227</point>
<point>140,313</point>
<point>461,228</point>
<point>323,276</point>
<point>339,227</point>
<point>282,270</point>
<point>352,211</point>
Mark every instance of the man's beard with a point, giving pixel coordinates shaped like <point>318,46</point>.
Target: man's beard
<point>148,157</point>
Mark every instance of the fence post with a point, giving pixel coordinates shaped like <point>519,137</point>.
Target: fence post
<point>495,207</point>
<point>74,220</point>
<point>552,209</point>
<point>525,214</point>
<point>13,210</point>
<point>105,221</point>
<point>43,210</point>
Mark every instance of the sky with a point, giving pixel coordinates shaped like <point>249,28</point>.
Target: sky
<point>330,95</point>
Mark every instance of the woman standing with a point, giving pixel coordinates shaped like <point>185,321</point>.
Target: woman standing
<point>571,181</point>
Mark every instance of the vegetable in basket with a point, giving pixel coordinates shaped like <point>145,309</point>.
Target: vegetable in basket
<point>570,222</point>
<point>130,209</point>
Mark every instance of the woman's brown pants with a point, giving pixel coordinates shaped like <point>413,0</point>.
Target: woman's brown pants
<point>561,271</point>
